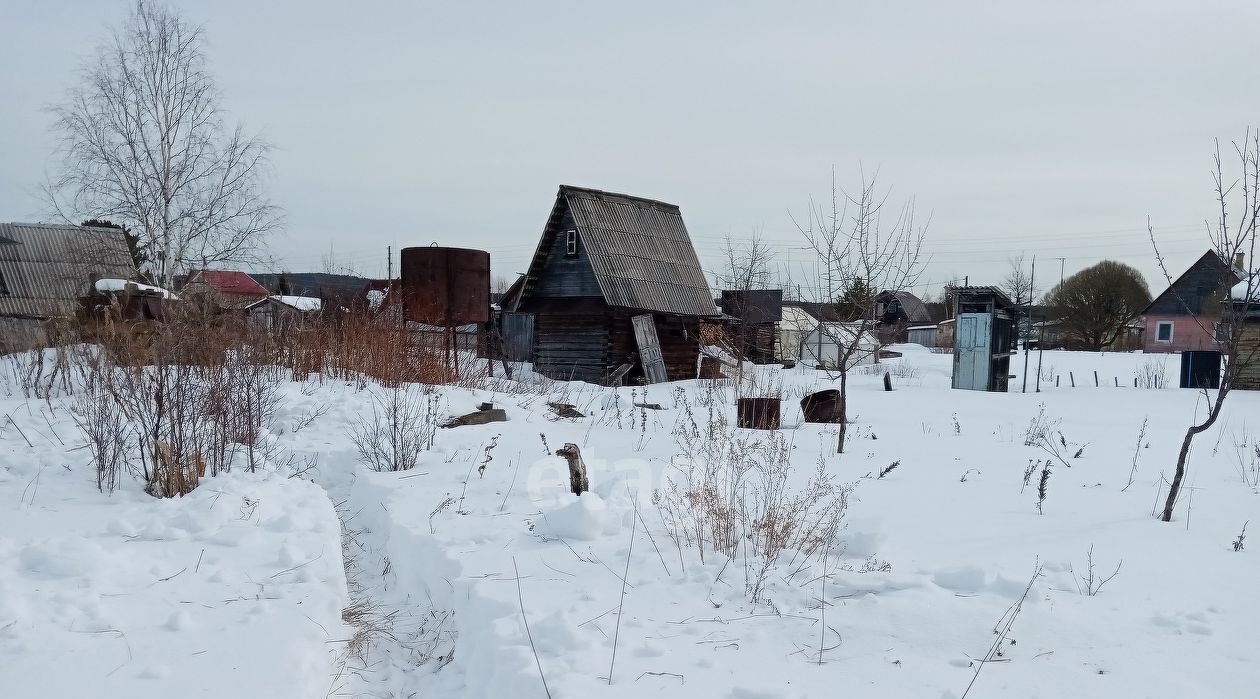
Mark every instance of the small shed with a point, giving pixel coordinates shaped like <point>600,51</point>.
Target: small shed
<point>751,319</point>
<point>824,346</point>
<point>921,335</point>
<point>280,314</point>
<point>615,290</point>
<point>984,338</point>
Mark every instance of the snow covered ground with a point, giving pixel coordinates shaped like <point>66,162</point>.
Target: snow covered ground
<point>238,590</point>
<point>233,590</point>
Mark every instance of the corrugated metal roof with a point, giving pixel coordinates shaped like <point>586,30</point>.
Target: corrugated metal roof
<point>916,312</point>
<point>45,268</point>
<point>640,251</point>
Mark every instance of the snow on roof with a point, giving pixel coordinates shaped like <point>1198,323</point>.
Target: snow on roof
<point>1239,292</point>
<point>302,303</point>
<point>922,327</point>
<point>117,285</point>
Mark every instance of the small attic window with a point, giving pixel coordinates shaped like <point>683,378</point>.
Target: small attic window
<point>570,243</point>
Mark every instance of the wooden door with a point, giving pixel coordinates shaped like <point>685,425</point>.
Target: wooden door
<point>649,348</point>
<point>971,344</point>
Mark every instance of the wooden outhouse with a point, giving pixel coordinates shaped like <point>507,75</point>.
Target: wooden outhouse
<point>984,338</point>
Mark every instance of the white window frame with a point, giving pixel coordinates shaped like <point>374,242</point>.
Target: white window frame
<point>570,243</point>
<point>1159,325</point>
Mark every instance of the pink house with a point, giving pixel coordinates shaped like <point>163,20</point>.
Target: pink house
<point>1184,316</point>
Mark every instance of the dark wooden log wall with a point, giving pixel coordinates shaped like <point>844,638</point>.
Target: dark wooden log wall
<point>571,339</point>
<point>570,316</point>
<point>679,337</point>
<point>1249,347</point>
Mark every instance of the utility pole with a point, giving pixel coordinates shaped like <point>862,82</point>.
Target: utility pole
<point>1032,280</point>
<point>1061,259</point>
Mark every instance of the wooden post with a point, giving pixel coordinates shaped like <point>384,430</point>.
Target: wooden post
<point>577,469</point>
<point>1095,378</point>
<point>1072,378</point>
<point>1056,380</point>
<point>887,381</point>
<point>1117,378</point>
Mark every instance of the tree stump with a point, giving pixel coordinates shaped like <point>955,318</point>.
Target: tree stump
<point>577,469</point>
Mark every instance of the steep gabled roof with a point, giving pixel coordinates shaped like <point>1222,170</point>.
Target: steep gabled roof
<point>45,268</point>
<point>639,250</point>
<point>1210,261</point>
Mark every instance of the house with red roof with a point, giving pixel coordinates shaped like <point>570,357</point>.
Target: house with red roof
<point>228,289</point>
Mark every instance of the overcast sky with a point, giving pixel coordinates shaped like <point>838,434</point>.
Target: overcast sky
<point>1048,128</point>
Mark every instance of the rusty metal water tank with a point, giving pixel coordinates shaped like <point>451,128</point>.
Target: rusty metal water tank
<point>446,286</point>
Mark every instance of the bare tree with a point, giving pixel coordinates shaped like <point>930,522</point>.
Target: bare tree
<point>861,242</point>
<point>748,264</point>
<point>500,284</point>
<point>1018,283</point>
<point>1233,237</point>
<point>144,144</point>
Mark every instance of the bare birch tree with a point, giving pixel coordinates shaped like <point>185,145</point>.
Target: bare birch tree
<point>1233,237</point>
<point>144,143</point>
<point>862,241</point>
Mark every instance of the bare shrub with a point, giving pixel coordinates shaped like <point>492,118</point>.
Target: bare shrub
<point>1247,459</point>
<point>107,434</point>
<point>1153,373</point>
<point>1091,582</point>
<point>401,425</point>
<point>731,494</point>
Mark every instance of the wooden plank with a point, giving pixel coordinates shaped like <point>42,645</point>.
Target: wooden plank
<point>649,348</point>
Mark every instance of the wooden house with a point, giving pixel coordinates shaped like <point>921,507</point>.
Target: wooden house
<point>614,290</point>
<point>897,312</point>
<point>45,270</point>
<point>224,289</point>
<point>1184,316</point>
<point>751,319</point>
<point>1248,310</point>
